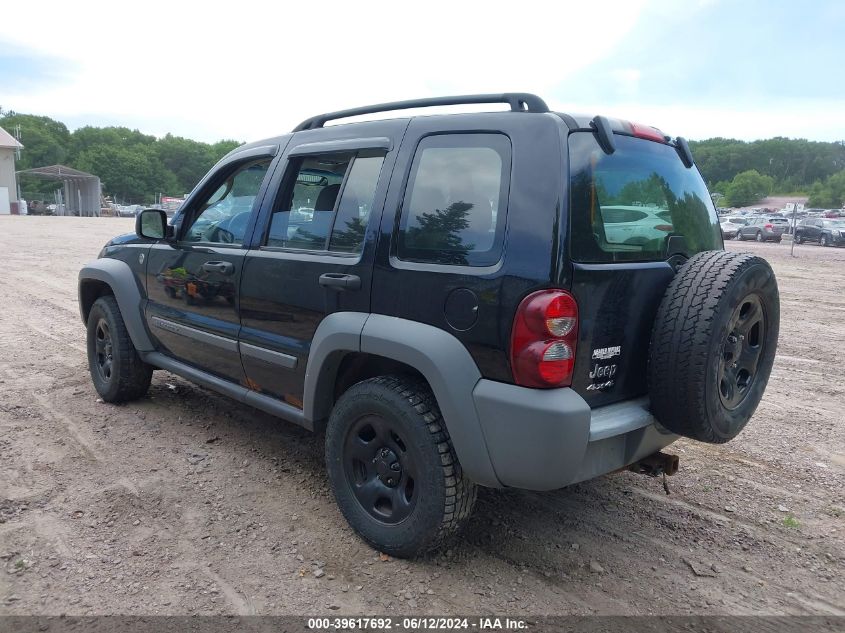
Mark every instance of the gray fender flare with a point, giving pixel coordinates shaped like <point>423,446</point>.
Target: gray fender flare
<point>130,299</point>
<point>437,355</point>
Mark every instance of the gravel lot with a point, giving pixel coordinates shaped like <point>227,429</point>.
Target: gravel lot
<point>186,502</point>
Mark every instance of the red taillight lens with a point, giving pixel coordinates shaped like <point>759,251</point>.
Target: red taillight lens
<point>769,226</point>
<point>543,339</point>
<point>647,132</point>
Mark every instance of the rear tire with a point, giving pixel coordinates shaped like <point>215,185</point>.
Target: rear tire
<point>760,237</point>
<point>118,373</point>
<point>713,345</point>
<point>799,239</point>
<point>392,467</point>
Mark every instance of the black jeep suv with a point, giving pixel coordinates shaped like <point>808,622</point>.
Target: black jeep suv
<point>520,298</point>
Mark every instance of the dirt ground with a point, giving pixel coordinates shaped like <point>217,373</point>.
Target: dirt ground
<point>186,502</point>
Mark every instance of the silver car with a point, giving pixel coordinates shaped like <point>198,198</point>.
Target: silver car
<point>764,228</point>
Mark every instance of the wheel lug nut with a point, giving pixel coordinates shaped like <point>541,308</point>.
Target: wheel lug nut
<point>394,466</point>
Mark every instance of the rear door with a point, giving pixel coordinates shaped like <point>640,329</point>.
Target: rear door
<point>192,284</point>
<point>465,191</point>
<point>313,248</point>
<point>619,276</point>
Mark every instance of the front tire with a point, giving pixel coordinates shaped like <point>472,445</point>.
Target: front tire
<point>759,236</point>
<point>392,467</point>
<point>824,241</point>
<point>118,373</point>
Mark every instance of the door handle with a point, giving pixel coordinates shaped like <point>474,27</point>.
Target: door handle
<point>340,281</point>
<point>224,268</point>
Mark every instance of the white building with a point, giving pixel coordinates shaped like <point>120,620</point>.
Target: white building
<point>9,145</point>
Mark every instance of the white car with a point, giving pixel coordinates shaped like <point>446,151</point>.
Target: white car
<point>635,226</point>
<point>730,228</point>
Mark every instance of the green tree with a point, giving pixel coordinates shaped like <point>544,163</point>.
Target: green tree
<point>829,194</point>
<point>46,142</point>
<point>748,187</point>
<point>132,175</point>
<point>187,160</point>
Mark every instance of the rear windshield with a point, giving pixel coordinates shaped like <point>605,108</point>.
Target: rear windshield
<point>628,205</point>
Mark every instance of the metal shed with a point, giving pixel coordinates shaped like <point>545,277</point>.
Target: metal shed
<point>82,191</point>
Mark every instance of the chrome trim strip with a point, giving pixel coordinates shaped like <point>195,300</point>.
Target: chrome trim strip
<point>268,356</point>
<point>230,345</point>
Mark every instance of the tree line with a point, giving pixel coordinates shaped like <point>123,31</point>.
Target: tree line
<point>135,167</point>
<point>745,172</point>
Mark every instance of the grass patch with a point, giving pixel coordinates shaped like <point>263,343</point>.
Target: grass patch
<point>791,522</point>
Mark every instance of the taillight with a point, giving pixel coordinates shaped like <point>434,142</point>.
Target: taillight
<point>769,226</point>
<point>543,339</point>
<point>647,132</point>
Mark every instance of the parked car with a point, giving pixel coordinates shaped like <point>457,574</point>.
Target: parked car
<point>459,308</point>
<point>731,226</point>
<point>764,228</point>
<point>822,230</point>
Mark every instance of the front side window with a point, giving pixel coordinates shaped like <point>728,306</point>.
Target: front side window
<point>627,205</point>
<point>327,204</point>
<point>223,216</point>
<point>456,200</point>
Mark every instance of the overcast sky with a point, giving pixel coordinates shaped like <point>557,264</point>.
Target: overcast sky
<point>247,70</point>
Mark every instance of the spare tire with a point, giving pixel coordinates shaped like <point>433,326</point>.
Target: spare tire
<point>713,345</point>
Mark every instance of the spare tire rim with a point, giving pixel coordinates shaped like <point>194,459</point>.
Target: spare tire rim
<point>381,469</point>
<point>741,351</point>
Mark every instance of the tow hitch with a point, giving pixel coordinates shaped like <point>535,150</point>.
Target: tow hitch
<point>656,465</point>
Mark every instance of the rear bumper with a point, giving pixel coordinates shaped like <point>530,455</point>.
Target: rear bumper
<point>546,439</point>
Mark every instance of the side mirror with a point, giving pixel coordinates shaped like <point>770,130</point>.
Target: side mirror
<point>152,224</point>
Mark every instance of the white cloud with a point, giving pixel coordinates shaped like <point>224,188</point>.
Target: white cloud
<point>254,69</point>
<point>251,69</point>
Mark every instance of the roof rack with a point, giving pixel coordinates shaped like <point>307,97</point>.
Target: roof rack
<point>519,102</point>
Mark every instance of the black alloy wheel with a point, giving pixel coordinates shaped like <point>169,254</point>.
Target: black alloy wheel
<point>741,352</point>
<point>103,347</point>
<point>381,469</point>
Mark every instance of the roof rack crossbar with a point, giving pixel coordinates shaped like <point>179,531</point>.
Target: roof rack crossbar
<point>518,101</point>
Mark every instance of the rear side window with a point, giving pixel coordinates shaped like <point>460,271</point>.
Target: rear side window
<point>456,200</point>
<point>627,205</point>
<point>326,203</point>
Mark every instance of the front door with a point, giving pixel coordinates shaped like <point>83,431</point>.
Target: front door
<point>192,284</point>
<point>313,249</point>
